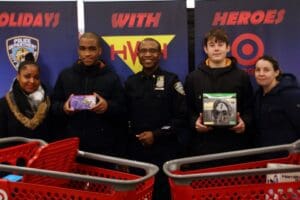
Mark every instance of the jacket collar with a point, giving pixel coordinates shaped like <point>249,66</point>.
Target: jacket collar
<point>230,65</point>
<point>227,62</point>
<point>155,73</point>
<point>92,70</point>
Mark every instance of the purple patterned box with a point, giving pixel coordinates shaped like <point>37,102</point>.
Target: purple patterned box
<point>82,102</point>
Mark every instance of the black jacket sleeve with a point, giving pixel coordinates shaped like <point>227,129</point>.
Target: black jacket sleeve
<point>246,111</point>
<point>291,102</point>
<point>193,112</point>
<point>116,104</point>
<point>178,121</point>
<point>58,98</point>
<point>3,118</point>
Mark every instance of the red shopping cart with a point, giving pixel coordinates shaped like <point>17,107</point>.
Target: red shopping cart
<point>51,172</point>
<point>239,181</point>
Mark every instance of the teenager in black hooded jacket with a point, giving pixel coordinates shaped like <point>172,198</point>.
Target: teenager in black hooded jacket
<point>218,74</point>
<point>98,127</point>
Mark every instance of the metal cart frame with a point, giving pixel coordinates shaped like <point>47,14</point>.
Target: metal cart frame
<point>243,181</point>
<point>44,180</point>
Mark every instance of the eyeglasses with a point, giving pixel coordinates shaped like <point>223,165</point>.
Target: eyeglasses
<point>151,50</point>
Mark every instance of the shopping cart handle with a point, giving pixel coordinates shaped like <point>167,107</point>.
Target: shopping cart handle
<point>296,146</point>
<point>118,185</point>
<point>187,179</point>
<point>150,169</point>
<point>21,139</point>
<point>177,163</point>
<point>59,149</point>
<point>174,165</point>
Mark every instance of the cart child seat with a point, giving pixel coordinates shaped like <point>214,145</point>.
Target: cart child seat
<point>50,172</point>
<point>57,156</point>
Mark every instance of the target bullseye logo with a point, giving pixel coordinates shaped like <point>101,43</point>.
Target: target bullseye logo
<point>247,48</point>
<point>3,195</point>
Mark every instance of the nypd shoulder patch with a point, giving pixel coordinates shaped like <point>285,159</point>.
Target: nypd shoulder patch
<point>17,47</point>
<point>179,88</point>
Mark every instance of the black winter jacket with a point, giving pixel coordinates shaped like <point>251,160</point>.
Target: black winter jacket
<point>277,113</point>
<point>155,105</point>
<point>11,126</point>
<point>97,132</point>
<point>230,79</point>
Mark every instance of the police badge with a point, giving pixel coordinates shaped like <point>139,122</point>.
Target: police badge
<point>17,47</point>
<point>160,83</point>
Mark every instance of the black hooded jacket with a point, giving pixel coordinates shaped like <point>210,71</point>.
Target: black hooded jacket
<point>229,79</point>
<point>97,132</point>
<point>277,113</point>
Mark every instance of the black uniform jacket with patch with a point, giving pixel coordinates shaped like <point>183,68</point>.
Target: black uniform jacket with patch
<point>157,103</point>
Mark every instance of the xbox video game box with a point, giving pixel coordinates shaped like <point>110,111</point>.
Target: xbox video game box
<point>219,109</point>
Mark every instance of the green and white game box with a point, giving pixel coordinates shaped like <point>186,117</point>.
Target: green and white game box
<point>219,109</point>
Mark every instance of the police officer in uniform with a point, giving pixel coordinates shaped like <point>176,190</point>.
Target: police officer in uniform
<point>157,114</point>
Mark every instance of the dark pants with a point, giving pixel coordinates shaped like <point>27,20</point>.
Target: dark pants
<point>161,187</point>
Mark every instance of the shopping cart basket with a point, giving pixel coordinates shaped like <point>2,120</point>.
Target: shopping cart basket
<point>239,181</point>
<point>51,172</point>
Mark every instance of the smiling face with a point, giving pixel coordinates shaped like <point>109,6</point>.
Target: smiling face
<point>89,50</point>
<point>265,74</point>
<point>216,51</point>
<point>149,53</point>
<point>29,78</point>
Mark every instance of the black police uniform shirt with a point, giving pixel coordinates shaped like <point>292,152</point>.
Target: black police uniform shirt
<point>156,103</point>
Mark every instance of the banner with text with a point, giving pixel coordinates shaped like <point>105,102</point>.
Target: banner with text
<point>255,28</point>
<point>47,29</point>
<point>123,25</point>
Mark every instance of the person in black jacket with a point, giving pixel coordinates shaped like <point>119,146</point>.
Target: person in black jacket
<point>277,104</point>
<point>99,126</point>
<point>157,113</point>
<point>218,74</point>
<point>24,109</point>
